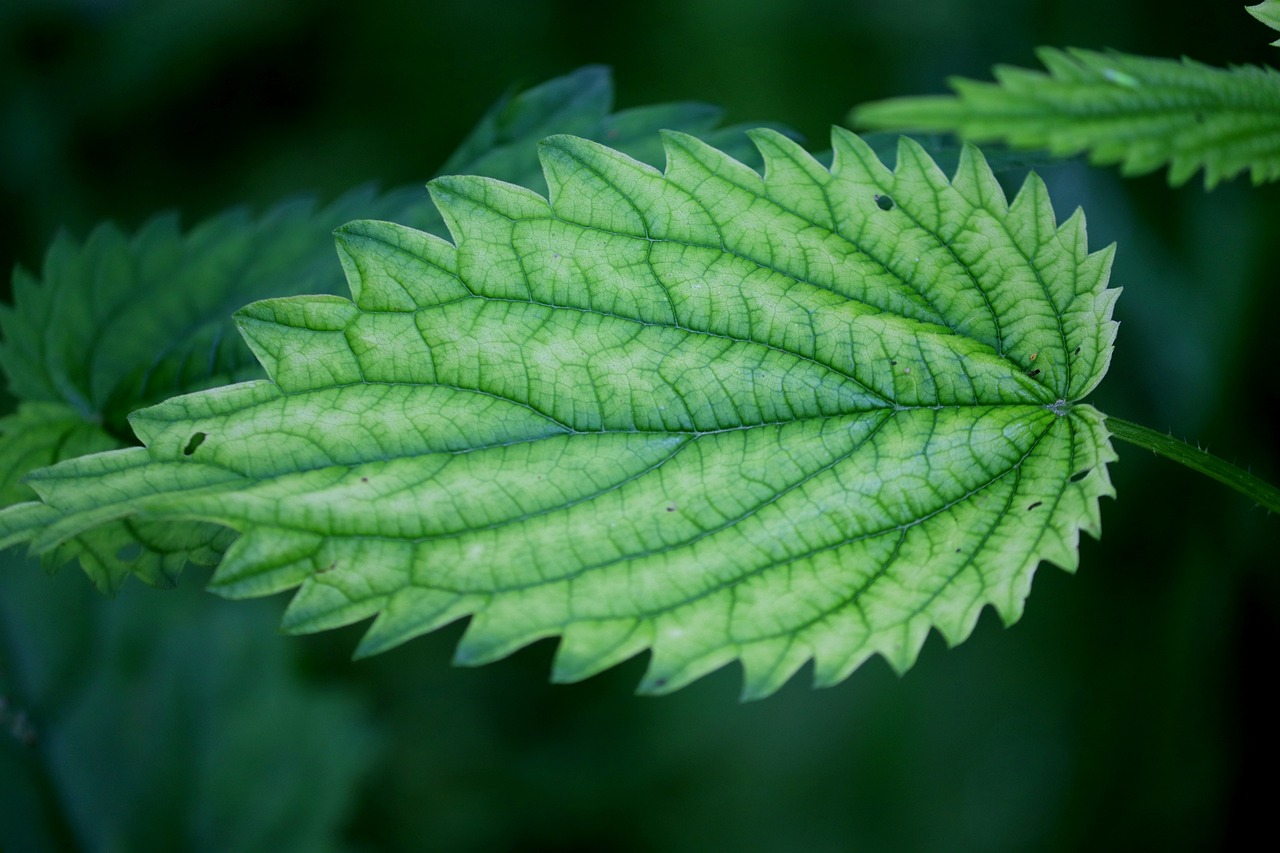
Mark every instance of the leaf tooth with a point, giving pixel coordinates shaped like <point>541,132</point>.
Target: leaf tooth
<point>977,184</point>
<point>301,342</point>
<point>505,625</point>
<point>668,672</point>
<point>1031,218</point>
<point>587,648</point>
<point>264,561</point>
<point>590,183</point>
<point>853,159</point>
<point>902,647</point>
<point>463,201</point>
<point>421,269</point>
<point>793,178</point>
<point>1011,600</point>
<point>322,606</point>
<point>690,161</point>
<point>769,664</point>
<point>1073,235</point>
<point>1069,67</point>
<point>411,612</point>
<point>955,624</point>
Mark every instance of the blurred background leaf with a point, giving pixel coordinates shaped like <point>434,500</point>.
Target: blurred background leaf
<point>1128,704</point>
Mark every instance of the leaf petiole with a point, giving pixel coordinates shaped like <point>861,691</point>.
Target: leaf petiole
<point>1256,489</point>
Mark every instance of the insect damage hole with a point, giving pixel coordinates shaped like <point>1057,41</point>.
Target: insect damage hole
<point>884,202</point>
<point>195,441</point>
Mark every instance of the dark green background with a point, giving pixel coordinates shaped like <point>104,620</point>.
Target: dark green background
<point>1124,711</point>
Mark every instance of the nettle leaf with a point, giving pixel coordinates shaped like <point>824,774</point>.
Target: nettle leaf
<point>1139,112</point>
<point>123,320</point>
<point>802,417</point>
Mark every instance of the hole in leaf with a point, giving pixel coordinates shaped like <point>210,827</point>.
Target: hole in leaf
<point>1035,372</point>
<point>884,202</point>
<point>1080,475</point>
<point>196,441</point>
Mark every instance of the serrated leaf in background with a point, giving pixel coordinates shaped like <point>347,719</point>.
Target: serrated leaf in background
<point>714,416</point>
<point>1139,112</point>
<point>40,434</point>
<point>122,320</point>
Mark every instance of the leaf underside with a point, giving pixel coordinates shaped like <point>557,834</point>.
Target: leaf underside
<point>800,418</point>
<point>1139,112</point>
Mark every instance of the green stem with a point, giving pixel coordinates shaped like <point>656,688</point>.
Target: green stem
<point>1257,490</point>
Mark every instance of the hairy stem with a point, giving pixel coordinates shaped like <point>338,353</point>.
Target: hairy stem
<point>1257,490</point>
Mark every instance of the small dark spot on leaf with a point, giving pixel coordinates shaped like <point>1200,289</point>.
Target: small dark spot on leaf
<point>196,441</point>
<point>659,682</point>
<point>671,507</point>
<point>1077,352</point>
<point>1034,355</point>
<point>957,550</point>
<point>328,568</point>
<point>884,202</point>
<point>364,479</point>
<point>1035,372</point>
<point>1034,505</point>
<point>1077,477</point>
<point>893,364</point>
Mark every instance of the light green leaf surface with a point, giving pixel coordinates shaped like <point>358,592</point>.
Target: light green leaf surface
<point>1139,112</point>
<point>123,320</point>
<point>1268,11</point>
<point>715,416</point>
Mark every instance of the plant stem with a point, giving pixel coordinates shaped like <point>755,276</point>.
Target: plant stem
<point>1257,490</point>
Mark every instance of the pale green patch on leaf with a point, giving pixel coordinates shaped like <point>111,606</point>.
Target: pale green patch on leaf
<point>1268,11</point>
<point>805,417</point>
<point>1139,112</point>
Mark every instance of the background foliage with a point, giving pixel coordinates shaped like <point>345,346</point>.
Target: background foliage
<point>1125,705</point>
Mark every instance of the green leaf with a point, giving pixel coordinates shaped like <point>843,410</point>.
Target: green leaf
<point>1139,112</point>
<point>41,434</point>
<point>805,417</point>
<point>124,320</point>
<point>147,720</point>
<point>1268,11</point>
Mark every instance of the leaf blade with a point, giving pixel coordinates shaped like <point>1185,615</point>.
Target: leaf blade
<point>703,412</point>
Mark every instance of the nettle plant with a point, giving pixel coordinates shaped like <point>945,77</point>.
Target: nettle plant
<point>716,413</point>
